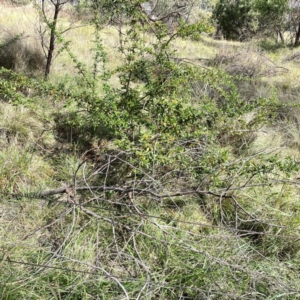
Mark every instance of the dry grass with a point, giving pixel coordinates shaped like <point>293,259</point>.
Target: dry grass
<point>21,54</point>
<point>290,80</point>
<point>83,47</point>
<point>20,126</point>
<point>273,67</point>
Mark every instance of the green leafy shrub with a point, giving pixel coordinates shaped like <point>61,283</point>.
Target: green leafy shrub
<point>163,206</point>
<point>234,19</point>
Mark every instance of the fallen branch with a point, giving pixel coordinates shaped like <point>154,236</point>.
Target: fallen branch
<point>124,190</point>
<point>224,193</point>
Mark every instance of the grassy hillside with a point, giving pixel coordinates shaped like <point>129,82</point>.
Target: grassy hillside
<point>184,212</point>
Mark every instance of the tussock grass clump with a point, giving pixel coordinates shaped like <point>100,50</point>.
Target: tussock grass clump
<point>295,57</point>
<point>20,126</point>
<point>22,134</point>
<point>19,2</point>
<point>22,168</point>
<point>247,61</point>
<point>19,52</point>
<point>289,126</point>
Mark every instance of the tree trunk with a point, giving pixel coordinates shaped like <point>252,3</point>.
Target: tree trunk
<point>57,7</point>
<point>297,38</point>
<point>280,36</point>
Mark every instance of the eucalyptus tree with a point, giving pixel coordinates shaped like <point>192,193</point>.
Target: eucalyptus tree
<point>272,17</point>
